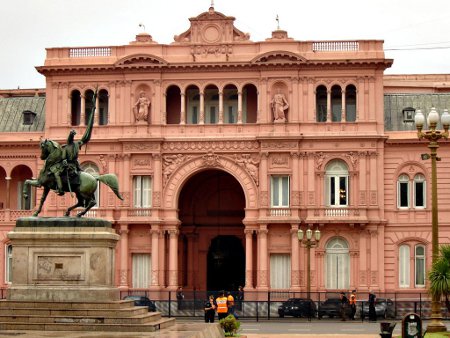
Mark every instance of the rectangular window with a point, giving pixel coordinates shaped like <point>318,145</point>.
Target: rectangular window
<point>280,271</point>
<point>212,115</point>
<point>338,191</point>
<point>403,266</point>
<point>8,263</point>
<point>403,194</point>
<point>230,114</point>
<point>142,267</point>
<point>420,266</point>
<point>419,194</point>
<point>280,191</point>
<point>142,186</point>
<point>194,115</point>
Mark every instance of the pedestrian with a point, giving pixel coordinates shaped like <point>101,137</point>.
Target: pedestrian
<point>344,303</point>
<point>222,307</point>
<point>210,309</point>
<point>230,304</point>
<point>240,297</point>
<point>372,313</point>
<point>353,304</point>
<point>180,298</point>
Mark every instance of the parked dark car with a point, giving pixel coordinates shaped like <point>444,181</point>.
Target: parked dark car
<point>297,307</point>
<point>384,308</point>
<point>332,308</point>
<point>142,301</point>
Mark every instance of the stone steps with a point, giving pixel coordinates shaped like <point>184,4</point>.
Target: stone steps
<point>120,316</point>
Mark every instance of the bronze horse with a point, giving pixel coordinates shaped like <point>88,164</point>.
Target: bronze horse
<point>84,191</point>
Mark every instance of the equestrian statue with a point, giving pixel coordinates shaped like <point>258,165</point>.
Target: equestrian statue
<point>62,172</point>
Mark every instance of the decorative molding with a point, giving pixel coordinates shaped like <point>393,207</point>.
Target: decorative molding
<point>209,146</point>
<point>264,198</point>
<point>279,161</point>
<point>279,144</point>
<point>211,160</point>
<point>172,162</point>
<point>140,146</point>
<point>249,164</point>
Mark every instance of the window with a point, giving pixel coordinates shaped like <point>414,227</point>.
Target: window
<point>280,271</point>
<point>408,114</point>
<point>142,186</point>
<point>321,104</point>
<point>337,268</point>
<point>211,117</point>
<point>8,263</point>
<point>419,191</point>
<point>336,104</point>
<point>103,102</point>
<point>89,104</point>
<point>337,184</point>
<point>142,267</point>
<point>403,191</point>
<point>75,107</point>
<point>404,266</point>
<point>350,103</point>
<point>280,191</point>
<point>419,265</point>
<point>28,117</point>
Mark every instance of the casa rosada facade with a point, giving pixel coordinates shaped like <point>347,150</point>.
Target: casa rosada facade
<point>225,148</point>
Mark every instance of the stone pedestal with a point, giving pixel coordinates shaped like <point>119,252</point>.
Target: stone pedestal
<point>63,259</point>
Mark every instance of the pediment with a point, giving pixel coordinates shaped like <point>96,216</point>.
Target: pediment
<point>140,60</point>
<point>277,57</point>
<point>211,28</point>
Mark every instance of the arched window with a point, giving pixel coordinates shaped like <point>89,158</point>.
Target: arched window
<point>337,186</point>
<point>419,265</point>
<point>173,106</point>
<point>321,104</point>
<point>92,169</point>
<point>75,108</point>
<point>350,103</point>
<point>419,191</point>
<point>404,266</point>
<point>103,106</point>
<point>336,103</point>
<point>403,191</point>
<point>337,268</point>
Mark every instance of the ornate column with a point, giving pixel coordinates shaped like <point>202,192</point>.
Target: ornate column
<point>262,258</point>
<point>162,258</point>
<point>263,102</point>
<point>202,108</point>
<point>248,258</point>
<point>123,271</point>
<point>183,109</point>
<point>220,107</point>
<point>354,255</point>
<point>295,266</point>
<point>328,105</point>
<point>344,108</point>
<point>173,259</point>
<point>155,256</point>
<point>363,281</point>
<point>295,101</point>
<point>373,257</point>
<point>157,178</point>
<point>8,192</point>
<point>82,110</point>
<point>239,119</point>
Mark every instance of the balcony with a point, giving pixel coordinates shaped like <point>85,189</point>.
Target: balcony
<point>337,215</point>
<point>10,215</point>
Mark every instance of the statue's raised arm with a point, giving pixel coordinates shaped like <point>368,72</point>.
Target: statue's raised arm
<point>90,123</point>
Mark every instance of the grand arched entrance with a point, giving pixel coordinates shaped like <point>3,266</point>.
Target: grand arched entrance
<point>211,252</point>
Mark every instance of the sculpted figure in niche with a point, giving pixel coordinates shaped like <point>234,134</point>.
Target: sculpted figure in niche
<point>141,107</point>
<point>279,105</point>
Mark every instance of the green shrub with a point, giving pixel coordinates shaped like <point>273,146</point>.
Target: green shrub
<point>230,325</point>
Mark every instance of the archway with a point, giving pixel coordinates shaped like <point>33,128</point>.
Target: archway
<point>226,263</point>
<point>211,209</point>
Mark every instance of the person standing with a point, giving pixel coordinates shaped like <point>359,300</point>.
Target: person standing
<point>180,298</point>
<point>222,307</point>
<point>240,297</point>
<point>210,309</point>
<point>372,313</point>
<point>344,302</point>
<point>353,304</point>
<point>230,304</point>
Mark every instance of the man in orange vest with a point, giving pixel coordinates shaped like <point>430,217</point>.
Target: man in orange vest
<point>353,304</point>
<point>222,307</point>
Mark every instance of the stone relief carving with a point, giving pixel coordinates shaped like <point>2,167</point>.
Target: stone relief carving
<point>141,107</point>
<point>320,158</point>
<point>278,145</point>
<point>353,157</point>
<point>251,165</point>
<point>141,146</point>
<point>171,162</point>
<point>211,160</point>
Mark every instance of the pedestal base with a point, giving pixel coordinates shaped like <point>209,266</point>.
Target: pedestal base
<point>63,259</point>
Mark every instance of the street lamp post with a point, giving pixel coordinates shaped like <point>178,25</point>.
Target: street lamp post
<point>309,243</point>
<point>432,136</point>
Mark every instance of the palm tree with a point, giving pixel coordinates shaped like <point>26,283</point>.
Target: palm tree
<point>439,276</point>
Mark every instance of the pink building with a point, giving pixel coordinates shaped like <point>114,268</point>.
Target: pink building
<point>226,147</point>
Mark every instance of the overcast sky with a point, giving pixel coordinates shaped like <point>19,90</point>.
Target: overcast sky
<point>416,32</point>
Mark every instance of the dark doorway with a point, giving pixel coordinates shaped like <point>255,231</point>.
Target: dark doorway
<point>226,264</point>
